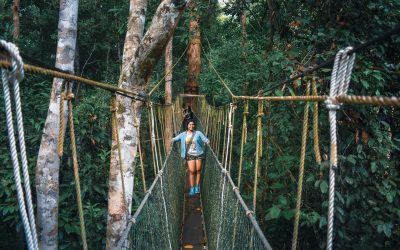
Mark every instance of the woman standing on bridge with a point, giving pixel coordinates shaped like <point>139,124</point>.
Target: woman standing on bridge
<point>192,151</point>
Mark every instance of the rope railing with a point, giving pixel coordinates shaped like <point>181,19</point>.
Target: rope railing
<point>222,225</point>
<point>137,94</point>
<point>148,227</point>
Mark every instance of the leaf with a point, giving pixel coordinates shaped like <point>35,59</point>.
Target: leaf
<point>322,222</point>
<point>275,212</point>
<point>351,159</point>
<point>288,214</point>
<point>390,196</point>
<point>282,200</point>
<point>278,92</point>
<point>324,187</point>
<point>277,185</point>
<point>273,176</point>
<point>349,180</point>
<point>387,229</point>
<point>310,179</point>
<point>374,167</point>
<point>365,84</point>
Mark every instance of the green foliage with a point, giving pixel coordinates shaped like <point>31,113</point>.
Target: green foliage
<point>303,33</point>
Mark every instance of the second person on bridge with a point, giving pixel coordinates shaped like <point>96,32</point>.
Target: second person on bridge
<point>192,151</point>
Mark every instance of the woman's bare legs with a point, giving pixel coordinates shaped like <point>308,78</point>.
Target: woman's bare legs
<point>198,172</point>
<point>192,172</point>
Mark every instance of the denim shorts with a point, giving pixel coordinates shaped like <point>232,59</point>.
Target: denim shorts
<point>194,157</point>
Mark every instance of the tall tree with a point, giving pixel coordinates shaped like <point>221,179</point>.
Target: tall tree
<point>271,14</point>
<point>168,94</point>
<point>15,11</point>
<point>194,51</point>
<point>138,62</point>
<point>48,163</point>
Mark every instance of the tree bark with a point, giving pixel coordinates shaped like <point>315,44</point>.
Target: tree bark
<point>194,52</point>
<point>243,22</point>
<point>15,11</point>
<point>138,62</point>
<point>168,95</point>
<point>48,163</point>
<point>271,11</point>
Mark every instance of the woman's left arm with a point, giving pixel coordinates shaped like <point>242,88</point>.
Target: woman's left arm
<point>203,138</point>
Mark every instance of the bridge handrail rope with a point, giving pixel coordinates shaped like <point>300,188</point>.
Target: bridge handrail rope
<point>229,125</point>
<point>24,200</point>
<point>249,213</point>
<point>139,210</point>
<point>136,95</point>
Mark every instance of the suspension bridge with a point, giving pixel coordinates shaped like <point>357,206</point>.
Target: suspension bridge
<point>219,215</point>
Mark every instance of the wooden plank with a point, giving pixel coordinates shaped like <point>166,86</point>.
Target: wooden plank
<point>192,230</point>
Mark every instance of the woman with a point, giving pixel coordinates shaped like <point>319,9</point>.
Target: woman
<point>192,151</point>
<point>187,113</point>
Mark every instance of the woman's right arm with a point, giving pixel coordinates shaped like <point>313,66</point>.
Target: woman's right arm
<point>177,138</point>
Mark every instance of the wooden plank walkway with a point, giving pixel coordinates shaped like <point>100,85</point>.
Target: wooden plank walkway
<point>193,234</point>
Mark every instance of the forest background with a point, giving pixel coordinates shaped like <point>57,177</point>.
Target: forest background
<point>280,39</point>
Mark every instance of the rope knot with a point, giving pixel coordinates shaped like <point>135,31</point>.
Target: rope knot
<point>248,213</point>
<point>224,171</point>
<point>69,96</point>
<point>332,104</point>
<point>133,220</point>
<point>114,107</point>
<point>246,113</point>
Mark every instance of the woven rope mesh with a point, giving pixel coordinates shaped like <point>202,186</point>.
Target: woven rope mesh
<point>153,228</point>
<point>227,224</point>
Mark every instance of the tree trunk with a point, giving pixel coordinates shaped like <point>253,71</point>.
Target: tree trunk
<point>118,205</point>
<point>138,62</point>
<point>243,22</point>
<point>48,163</point>
<point>194,51</point>
<point>271,11</point>
<point>168,95</point>
<point>15,11</point>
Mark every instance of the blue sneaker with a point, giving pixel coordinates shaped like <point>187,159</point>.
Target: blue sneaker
<point>196,189</point>
<point>191,191</point>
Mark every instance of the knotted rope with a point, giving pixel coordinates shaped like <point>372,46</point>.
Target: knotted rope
<point>69,97</point>
<point>301,172</point>
<point>340,80</point>
<point>25,203</point>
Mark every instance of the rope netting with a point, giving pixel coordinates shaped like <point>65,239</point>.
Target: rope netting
<point>229,222</point>
<point>156,224</point>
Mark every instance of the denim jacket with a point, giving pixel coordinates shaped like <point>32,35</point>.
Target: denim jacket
<point>198,138</point>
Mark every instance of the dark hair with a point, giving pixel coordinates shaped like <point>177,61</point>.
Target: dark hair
<point>189,108</point>
<point>189,121</point>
